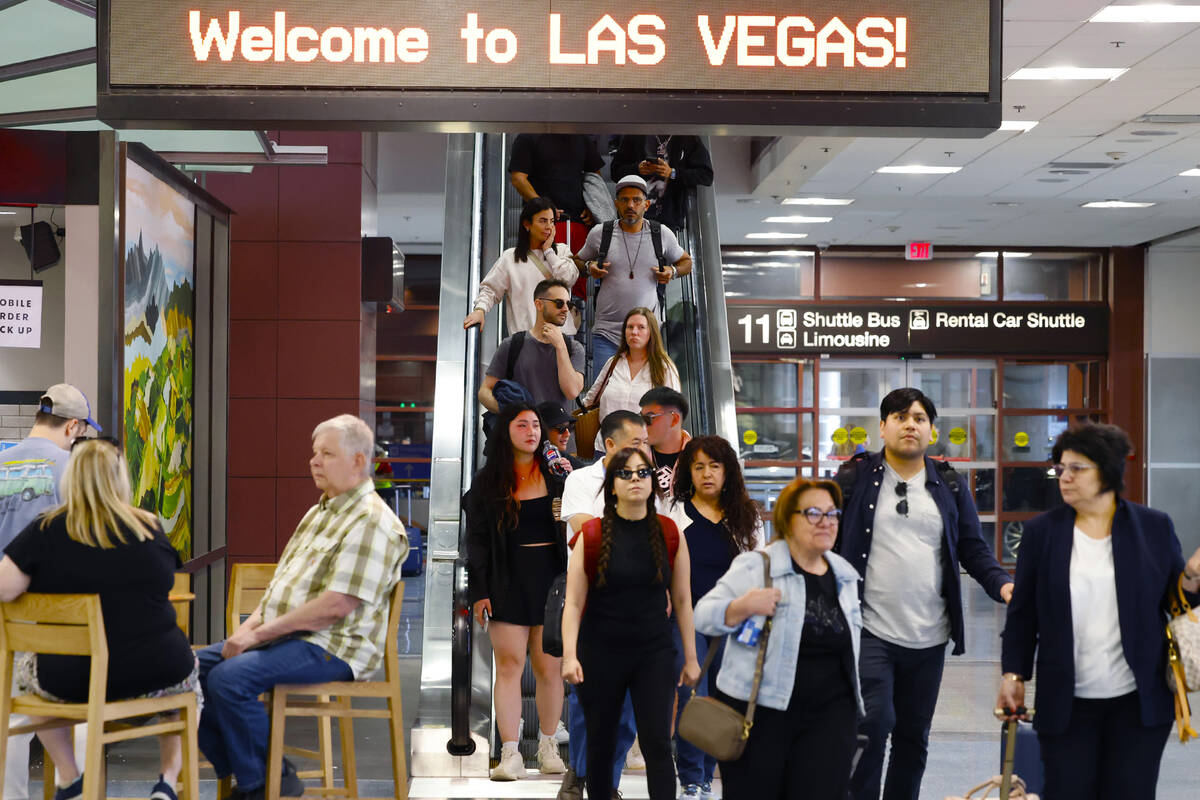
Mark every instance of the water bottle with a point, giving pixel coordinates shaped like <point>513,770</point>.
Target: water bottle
<point>750,631</point>
<point>552,456</point>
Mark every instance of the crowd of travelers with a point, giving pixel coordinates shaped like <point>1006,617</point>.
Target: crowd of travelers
<point>828,638</point>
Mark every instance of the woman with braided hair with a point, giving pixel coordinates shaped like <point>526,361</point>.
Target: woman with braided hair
<point>629,561</point>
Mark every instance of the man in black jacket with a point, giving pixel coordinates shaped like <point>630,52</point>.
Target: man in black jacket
<point>671,166</point>
<point>907,526</point>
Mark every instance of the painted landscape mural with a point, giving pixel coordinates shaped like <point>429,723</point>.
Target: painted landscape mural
<point>160,307</point>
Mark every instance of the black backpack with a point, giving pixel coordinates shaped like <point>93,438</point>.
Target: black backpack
<point>606,236</point>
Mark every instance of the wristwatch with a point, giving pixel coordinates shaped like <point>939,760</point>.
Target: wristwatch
<point>674,272</point>
<point>672,174</point>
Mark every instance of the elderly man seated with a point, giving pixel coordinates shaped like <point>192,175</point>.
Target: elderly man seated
<point>323,617</point>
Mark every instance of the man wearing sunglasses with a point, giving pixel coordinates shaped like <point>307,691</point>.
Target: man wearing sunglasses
<point>906,530</point>
<point>29,484</point>
<point>548,365</point>
<point>664,411</point>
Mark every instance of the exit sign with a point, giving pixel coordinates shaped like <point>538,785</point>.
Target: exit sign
<point>919,251</point>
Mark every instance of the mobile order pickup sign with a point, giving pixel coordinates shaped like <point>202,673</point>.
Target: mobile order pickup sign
<point>713,65</point>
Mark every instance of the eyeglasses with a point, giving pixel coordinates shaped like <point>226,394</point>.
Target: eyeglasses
<point>815,515</point>
<point>559,304</point>
<point>80,440</point>
<point>627,474</point>
<point>902,493</point>
<point>563,428</point>
<point>1075,469</point>
<point>649,418</point>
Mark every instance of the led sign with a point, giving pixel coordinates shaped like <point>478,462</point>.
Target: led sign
<point>839,52</point>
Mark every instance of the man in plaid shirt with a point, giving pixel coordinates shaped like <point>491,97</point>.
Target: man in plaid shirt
<point>323,618</point>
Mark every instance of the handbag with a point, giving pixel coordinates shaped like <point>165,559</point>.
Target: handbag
<point>587,420</point>
<point>713,726</point>
<point>556,601</point>
<point>1183,659</point>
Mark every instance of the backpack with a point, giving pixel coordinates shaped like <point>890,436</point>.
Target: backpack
<point>591,543</point>
<point>847,475</point>
<point>606,236</point>
<point>510,364</point>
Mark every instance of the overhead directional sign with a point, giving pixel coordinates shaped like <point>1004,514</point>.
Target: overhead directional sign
<point>677,52</point>
<point>980,328</point>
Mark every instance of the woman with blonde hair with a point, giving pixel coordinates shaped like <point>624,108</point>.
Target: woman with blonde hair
<point>641,364</point>
<point>97,542</point>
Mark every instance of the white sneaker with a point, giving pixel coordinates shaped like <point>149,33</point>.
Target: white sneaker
<point>511,766</point>
<point>549,761</point>
<point>560,734</point>
<point>707,793</point>
<point>633,759</point>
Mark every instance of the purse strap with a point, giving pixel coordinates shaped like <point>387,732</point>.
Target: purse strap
<point>1179,604</point>
<point>596,400</point>
<point>541,265</point>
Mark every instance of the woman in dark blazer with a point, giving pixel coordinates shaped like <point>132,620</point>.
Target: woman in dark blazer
<point>515,549</point>
<point>1092,583</point>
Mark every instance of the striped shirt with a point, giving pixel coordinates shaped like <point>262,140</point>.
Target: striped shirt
<point>352,544</point>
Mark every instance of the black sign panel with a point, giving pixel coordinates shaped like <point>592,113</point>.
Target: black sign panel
<point>975,329</point>
<point>474,61</point>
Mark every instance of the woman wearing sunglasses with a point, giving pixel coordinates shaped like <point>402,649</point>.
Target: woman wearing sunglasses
<point>809,701</point>
<point>641,364</point>
<point>515,549</point>
<point>629,561</point>
<point>719,521</point>
<point>99,543</point>
<point>1094,579</point>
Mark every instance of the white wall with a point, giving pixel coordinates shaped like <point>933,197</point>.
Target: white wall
<point>1173,383</point>
<point>82,321</point>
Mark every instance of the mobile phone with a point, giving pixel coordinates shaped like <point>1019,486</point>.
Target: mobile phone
<point>487,618</point>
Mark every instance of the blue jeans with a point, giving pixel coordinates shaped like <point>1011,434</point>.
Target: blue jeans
<point>692,763</point>
<point>602,351</point>
<point>234,725</point>
<point>626,732</point>
<point>900,690</point>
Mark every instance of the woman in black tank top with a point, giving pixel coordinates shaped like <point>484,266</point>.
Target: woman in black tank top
<point>622,570</point>
<point>515,549</point>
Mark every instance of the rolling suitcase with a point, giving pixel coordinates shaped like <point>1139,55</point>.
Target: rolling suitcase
<point>1009,785</point>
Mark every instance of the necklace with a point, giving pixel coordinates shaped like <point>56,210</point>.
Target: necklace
<point>636,253</point>
<point>528,477</point>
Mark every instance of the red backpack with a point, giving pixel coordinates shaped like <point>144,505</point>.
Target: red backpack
<point>591,543</point>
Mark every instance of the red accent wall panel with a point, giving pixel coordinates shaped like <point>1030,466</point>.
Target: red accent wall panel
<point>251,529</point>
<point>1127,360</point>
<point>321,359</point>
<point>293,498</point>
<point>254,198</point>
<point>252,431</point>
<point>254,284</point>
<point>344,147</point>
<point>295,421</point>
<point>320,280</point>
<point>253,362</point>
<point>315,203</point>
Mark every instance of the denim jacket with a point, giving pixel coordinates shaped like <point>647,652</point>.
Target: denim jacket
<point>736,678</point>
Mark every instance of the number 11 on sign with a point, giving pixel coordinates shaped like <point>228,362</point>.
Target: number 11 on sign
<point>763,322</point>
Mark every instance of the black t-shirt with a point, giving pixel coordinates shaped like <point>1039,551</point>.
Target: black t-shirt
<point>664,469</point>
<point>146,648</point>
<point>630,610</point>
<point>555,163</point>
<point>825,652</point>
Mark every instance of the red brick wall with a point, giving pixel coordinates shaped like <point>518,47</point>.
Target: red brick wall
<point>294,331</point>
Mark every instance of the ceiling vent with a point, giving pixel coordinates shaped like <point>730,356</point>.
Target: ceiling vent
<point>1170,119</point>
<point>1086,166</point>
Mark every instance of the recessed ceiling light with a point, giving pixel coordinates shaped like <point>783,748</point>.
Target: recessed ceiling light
<point>1188,173</point>
<point>776,235</point>
<point>917,169</point>
<point>1151,12</point>
<point>1007,254</point>
<point>1068,74</point>
<point>1115,204</point>
<point>798,220</point>
<point>1005,204</point>
<point>814,201</point>
<point>1153,133</point>
<point>1017,125</point>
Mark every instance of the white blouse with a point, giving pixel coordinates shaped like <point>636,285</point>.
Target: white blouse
<point>517,279</point>
<point>1100,667</point>
<point>624,391</point>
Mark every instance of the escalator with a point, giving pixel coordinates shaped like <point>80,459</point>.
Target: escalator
<point>453,730</point>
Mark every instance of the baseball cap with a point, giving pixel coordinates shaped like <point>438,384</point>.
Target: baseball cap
<point>553,415</point>
<point>632,180</point>
<point>64,400</point>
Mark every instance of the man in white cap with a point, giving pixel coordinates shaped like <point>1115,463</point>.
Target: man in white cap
<point>29,481</point>
<point>632,258</point>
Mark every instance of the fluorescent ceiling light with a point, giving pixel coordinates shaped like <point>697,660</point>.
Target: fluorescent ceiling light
<point>917,169</point>
<point>776,235</point>
<point>1115,204</point>
<point>7,213</point>
<point>814,201</point>
<point>1007,254</point>
<point>1017,125</point>
<point>1150,12</point>
<point>798,220</point>
<point>1190,173</point>
<point>1067,74</point>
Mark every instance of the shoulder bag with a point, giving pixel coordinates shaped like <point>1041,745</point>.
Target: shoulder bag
<point>713,726</point>
<point>1183,659</point>
<point>587,419</point>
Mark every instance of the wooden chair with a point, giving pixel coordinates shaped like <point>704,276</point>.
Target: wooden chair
<point>247,585</point>
<point>289,701</point>
<point>181,598</point>
<point>72,624</point>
